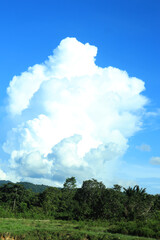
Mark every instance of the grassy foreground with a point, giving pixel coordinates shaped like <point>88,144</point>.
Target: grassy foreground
<point>57,229</point>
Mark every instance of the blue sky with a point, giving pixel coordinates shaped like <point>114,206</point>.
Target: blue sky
<point>127,35</point>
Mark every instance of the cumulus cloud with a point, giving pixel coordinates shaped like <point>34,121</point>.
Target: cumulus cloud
<point>155,160</point>
<point>22,88</point>
<point>75,117</point>
<point>144,147</point>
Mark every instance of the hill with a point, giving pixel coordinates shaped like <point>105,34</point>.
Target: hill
<point>36,188</point>
<point>2,182</point>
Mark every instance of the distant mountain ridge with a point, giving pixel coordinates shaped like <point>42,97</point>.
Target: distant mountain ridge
<point>36,188</point>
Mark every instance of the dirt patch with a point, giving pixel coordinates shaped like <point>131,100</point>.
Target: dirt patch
<point>7,238</point>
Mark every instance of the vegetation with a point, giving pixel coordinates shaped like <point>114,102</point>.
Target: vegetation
<point>90,212</point>
<point>57,229</point>
<point>36,188</point>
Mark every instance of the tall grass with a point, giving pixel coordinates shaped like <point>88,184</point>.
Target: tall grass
<point>53,229</point>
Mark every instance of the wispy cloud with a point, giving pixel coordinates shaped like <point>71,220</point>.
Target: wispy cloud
<point>155,160</point>
<point>156,113</point>
<point>144,147</point>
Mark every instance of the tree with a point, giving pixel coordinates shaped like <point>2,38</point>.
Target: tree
<point>138,203</point>
<point>51,198</point>
<point>90,197</point>
<point>113,203</point>
<point>13,195</point>
<point>70,183</point>
<point>68,203</point>
<point>117,187</point>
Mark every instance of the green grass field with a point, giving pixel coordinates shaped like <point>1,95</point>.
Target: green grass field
<point>57,229</point>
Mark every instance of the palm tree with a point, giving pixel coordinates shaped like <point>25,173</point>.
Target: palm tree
<point>137,203</point>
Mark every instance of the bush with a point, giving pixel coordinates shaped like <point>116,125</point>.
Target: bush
<point>134,228</point>
<point>146,232</point>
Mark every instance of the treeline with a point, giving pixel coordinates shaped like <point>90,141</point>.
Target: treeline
<point>129,210</point>
<point>92,201</point>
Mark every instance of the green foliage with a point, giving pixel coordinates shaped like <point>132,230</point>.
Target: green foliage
<point>3,182</point>
<point>137,203</point>
<point>36,188</point>
<point>70,183</point>
<point>128,211</point>
<point>50,201</point>
<point>90,198</point>
<point>149,228</point>
<point>58,230</point>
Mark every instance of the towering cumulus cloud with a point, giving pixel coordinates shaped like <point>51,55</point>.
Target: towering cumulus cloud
<point>74,118</point>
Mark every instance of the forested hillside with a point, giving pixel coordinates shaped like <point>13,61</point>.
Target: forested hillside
<point>36,188</point>
<point>2,182</point>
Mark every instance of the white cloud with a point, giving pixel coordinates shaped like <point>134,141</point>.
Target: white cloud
<point>155,160</point>
<point>33,164</point>
<point>23,87</point>
<point>3,175</point>
<point>70,59</point>
<point>79,116</point>
<point>153,114</point>
<point>144,147</point>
